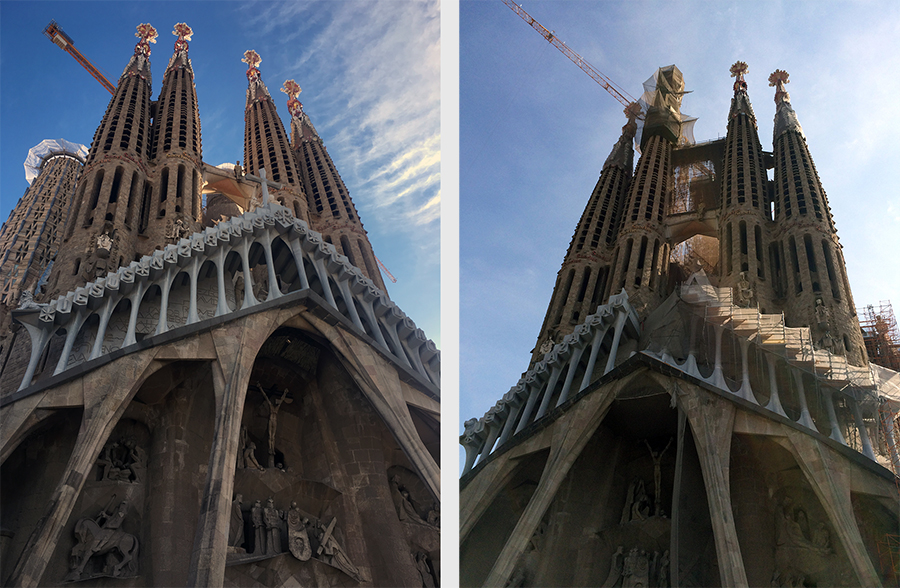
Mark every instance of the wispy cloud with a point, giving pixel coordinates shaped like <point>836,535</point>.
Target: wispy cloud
<point>371,78</point>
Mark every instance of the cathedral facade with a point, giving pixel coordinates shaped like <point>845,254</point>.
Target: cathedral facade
<point>204,381</point>
<point>698,409</point>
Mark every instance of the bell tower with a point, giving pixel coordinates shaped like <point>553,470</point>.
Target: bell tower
<point>266,144</point>
<point>817,292</point>
<point>331,211</point>
<point>104,223</point>
<point>177,148</point>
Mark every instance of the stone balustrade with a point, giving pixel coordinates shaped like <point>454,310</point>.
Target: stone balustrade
<point>240,263</point>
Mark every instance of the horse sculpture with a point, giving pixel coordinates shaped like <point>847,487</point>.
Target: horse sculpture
<point>108,539</point>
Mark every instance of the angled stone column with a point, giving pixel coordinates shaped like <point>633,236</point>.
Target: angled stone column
<point>237,344</point>
<point>571,432</point>
<point>830,479</point>
<point>712,422</point>
<point>107,394</point>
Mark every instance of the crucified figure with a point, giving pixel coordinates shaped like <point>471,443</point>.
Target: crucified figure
<point>273,421</point>
<point>657,476</point>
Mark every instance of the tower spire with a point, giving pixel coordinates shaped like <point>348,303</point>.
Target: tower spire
<point>584,278</point>
<point>266,143</point>
<point>744,216</point>
<point>139,64</point>
<point>331,211</point>
<point>180,54</point>
<point>785,117</point>
<point>817,292</point>
<point>177,147</point>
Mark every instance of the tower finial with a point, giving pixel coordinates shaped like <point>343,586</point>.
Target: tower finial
<point>779,78</point>
<point>252,59</point>
<point>632,111</point>
<point>183,32</point>
<point>737,71</point>
<point>147,34</point>
<point>292,89</point>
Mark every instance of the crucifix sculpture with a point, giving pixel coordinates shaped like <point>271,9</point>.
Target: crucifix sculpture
<point>273,421</point>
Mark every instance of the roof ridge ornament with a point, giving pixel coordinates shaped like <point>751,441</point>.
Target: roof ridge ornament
<point>737,71</point>
<point>147,34</point>
<point>292,89</point>
<point>779,78</point>
<point>252,59</point>
<point>184,33</point>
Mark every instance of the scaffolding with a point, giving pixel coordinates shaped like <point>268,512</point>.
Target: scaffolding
<point>880,334</point>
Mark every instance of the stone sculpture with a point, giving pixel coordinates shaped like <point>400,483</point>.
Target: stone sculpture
<point>406,511</point>
<point>272,520</point>
<point>636,569</point>
<point>333,553</point>
<point>424,569</point>
<point>640,509</point>
<point>122,462</point>
<point>298,536</point>
<point>433,517</point>
<point>236,526</point>
<point>101,536</point>
<point>273,421</point>
<point>259,531</point>
<point>615,568</point>
<point>250,457</point>
<point>657,476</point>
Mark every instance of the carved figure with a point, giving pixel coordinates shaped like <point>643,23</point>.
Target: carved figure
<point>657,477</point>
<point>406,511</point>
<point>745,291</point>
<point>238,170</point>
<point>821,314</point>
<point>663,575</point>
<point>629,500</point>
<point>122,462</point>
<point>273,421</point>
<point>236,526</point>
<point>636,569</point>
<point>298,536</point>
<point>333,552</point>
<point>272,519</point>
<point>424,570</point>
<point>259,531</point>
<point>640,510</point>
<point>821,538</point>
<point>250,457</point>
<point>138,460</point>
<point>547,346</point>
<point>433,517</point>
<point>615,568</point>
<point>101,536</point>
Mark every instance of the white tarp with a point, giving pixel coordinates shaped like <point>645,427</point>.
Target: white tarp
<point>37,153</point>
<point>887,381</point>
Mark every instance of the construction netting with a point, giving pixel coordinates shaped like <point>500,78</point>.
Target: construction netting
<point>661,108</point>
<point>49,147</point>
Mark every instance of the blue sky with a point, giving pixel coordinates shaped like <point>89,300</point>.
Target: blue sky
<point>535,131</point>
<point>370,74</point>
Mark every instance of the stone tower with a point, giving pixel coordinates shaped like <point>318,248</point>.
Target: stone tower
<point>711,420</point>
<point>642,252</point>
<point>266,144</point>
<point>103,229</point>
<point>744,221</point>
<point>177,148</point>
<point>810,271</point>
<point>30,237</point>
<point>331,210</point>
<point>589,261</point>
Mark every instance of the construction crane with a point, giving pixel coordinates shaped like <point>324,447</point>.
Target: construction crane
<point>385,269</point>
<point>610,86</point>
<point>65,42</point>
